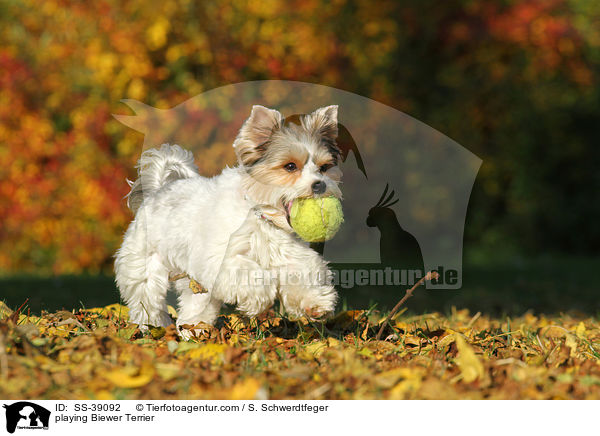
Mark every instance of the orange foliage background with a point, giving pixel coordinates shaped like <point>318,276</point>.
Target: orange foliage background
<point>66,64</point>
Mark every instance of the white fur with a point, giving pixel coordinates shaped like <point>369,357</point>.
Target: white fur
<point>213,231</point>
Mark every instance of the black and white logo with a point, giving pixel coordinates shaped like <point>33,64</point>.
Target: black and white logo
<point>26,416</point>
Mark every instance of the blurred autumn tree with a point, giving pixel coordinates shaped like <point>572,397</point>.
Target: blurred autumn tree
<point>515,81</point>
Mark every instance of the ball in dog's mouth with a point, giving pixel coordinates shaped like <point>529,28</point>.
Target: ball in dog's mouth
<point>315,219</point>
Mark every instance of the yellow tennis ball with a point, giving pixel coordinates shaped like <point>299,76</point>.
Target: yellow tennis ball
<point>316,219</point>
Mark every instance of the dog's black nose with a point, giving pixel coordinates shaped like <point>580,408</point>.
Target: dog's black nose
<point>319,187</point>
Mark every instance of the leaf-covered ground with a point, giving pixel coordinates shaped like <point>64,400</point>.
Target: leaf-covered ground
<point>97,354</point>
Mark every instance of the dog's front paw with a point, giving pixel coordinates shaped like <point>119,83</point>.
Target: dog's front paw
<point>144,322</point>
<point>318,313</point>
<point>320,307</point>
<point>314,303</point>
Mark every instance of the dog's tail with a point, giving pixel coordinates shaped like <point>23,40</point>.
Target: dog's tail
<point>158,167</point>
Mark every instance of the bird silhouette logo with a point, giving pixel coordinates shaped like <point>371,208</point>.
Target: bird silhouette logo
<point>397,247</point>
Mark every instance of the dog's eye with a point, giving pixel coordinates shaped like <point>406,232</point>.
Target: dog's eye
<point>326,167</point>
<point>290,167</point>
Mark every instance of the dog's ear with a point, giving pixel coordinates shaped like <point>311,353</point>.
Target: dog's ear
<point>325,121</point>
<point>254,135</point>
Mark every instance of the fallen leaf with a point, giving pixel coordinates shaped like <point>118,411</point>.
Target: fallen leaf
<point>388,379</point>
<point>249,389</point>
<point>130,377</point>
<point>470,366</point>
<point>214,353</point>
<point>5,311</point>
<point>157,332</point>
<point>312,351</point>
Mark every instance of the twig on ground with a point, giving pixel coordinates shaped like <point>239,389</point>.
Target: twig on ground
<point>431,275</point>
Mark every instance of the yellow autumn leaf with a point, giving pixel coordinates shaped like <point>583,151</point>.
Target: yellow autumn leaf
<point>157,332</point>
<point>167,371</point>
<point>366,352</point>
<point>5,311</point>
<point>404,388</point>
<point>332,342</point>
<point>103,394</point>
<point>172,311</point>
<point>61,331</point>
<point>116,309</point>
<point>256,357</point>
<point>31,319</point>
<point>315,349</point>
<point>388,379</point>
<point>580,330</point>
<point>470,366</point>
<point>131,377</point>
<point>136,89</point>
<point>156,35</point>
<point>571,342</point>
<point>249,389</point>
<point>312,350</point>
<point>555,331</point>
<point>412,340</point>
<point>447,339</point>
<point>214,353</point>
<point>402,325</point>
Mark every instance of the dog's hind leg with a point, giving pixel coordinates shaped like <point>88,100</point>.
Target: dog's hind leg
<point>143,281</point>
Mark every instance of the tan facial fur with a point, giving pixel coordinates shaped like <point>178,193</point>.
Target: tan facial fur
<point>267,143</point>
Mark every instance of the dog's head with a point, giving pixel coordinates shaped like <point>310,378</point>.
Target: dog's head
<point>289,158</point>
